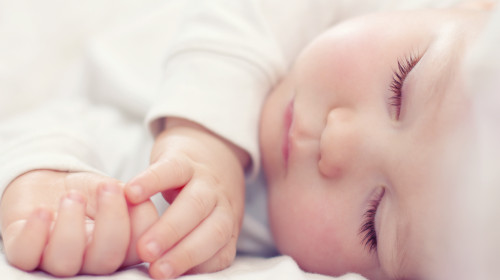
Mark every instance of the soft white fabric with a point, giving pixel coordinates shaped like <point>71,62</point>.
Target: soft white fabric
<point>243,268</point>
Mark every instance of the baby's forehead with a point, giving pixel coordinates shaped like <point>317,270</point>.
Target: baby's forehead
<point>417,31</point>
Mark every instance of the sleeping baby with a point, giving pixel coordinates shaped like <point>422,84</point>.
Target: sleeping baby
<point>361,142</point>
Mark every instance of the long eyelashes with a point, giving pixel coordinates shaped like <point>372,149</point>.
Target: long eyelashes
<point>405,65</point>
<point>367,230</point>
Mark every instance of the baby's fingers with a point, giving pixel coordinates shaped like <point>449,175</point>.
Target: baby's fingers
<point>221,260</point>
<point>213,234</point>
<point>111,235</point>
<point>160,176</point>
<point>64,252</point>
<point>25,240</point>
<point>193,205</point>
<point>142,217</point>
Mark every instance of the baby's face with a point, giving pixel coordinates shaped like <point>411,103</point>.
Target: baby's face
<point>362,140</point>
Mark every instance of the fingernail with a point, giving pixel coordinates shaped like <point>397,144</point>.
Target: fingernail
<point>75,196</point>
<point>44,214</point>
<point>135,190</point>
<point>154,249</point>
<point>72,198</point>
<point>110,188</point>
<point>166,270</point>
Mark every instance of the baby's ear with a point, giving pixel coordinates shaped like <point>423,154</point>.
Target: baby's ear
<point>484,5</point>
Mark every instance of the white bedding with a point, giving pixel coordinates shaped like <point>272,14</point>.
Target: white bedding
<point>243,268</point>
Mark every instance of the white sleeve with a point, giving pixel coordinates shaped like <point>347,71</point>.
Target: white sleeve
<point>69,134</point>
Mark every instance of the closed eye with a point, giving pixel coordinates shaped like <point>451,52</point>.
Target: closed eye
<point>405,65</point>
<point>367,229</point>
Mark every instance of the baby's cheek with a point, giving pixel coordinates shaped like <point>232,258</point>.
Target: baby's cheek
<point>321,234</point>
<point>301,230</point>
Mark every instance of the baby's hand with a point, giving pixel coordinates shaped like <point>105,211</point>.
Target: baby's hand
<point>203,179</point>
<point>70,223</point>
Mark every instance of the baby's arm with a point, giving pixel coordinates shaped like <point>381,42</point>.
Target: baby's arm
<point>69,223</point>
<point>202,176</point>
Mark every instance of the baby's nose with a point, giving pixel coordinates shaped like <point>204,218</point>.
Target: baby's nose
<point>340,143</point>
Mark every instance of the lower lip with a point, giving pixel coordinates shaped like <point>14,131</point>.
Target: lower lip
<point>288,118</point>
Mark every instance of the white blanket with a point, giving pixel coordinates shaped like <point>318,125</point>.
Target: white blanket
<point>242,269</point>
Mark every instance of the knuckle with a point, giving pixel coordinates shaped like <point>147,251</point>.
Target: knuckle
<point>187,259</point>
<point>58,265</point>
<point>226,257</point>
<point>63,269</point>
<point>223,229</point>
<point>172,232</point>
<point>201,201</point>
<point>20,263</point>
<point>179,166</point>
<point>103,262</point>
<point>104,266</point>
<point>111,262</point>
<point>213,180</point>
<point>154,176</point>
